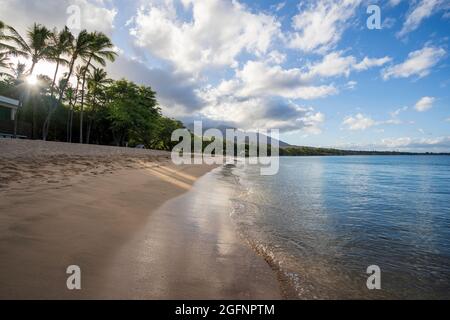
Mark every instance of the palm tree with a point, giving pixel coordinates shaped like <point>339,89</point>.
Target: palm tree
<point>4,60</point>
<point>4,56</point>
<point>61,43</point>
<point>73,97</point>
<point>100,50</point>
<point>2,37</point>
<point>97,82</point>
<point>33,47</point>
<point>78,49</point>
<point>5,64</point>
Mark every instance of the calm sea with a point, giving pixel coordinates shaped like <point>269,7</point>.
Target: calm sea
<point>323,220</point>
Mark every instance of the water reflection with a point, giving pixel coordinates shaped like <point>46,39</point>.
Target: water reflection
<point>323,221</point>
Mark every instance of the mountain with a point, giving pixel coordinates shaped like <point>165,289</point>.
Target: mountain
<point>260,136</point>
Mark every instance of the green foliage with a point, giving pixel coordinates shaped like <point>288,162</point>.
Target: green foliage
<point>117,112</point>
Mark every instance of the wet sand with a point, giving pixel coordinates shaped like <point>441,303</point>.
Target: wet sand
<point>189,248</point>
<point>130,219</point>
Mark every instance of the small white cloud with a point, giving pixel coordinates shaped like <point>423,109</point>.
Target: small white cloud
<point>424,104</point>
<point>419,63</point>
<point>396,142</point>
<point>276,57</point>
<point>368,63</point>
<point>351,85</point>
<point>438,144</point>
<point>321,23</point>
<point>398,111</point>
<point>394,3</point>
<point>423,10</point>
<point>279,6</point>
<point>334,64</point>
<point>388,23</point>
<point>358,122</point>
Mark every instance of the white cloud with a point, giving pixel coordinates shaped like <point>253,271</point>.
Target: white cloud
<point>438,144</point>
<point>394,3</point>
<point>334,64</point>
<point>419,63</point>
<point>276,57</point>
<point>424,104</point>
<point>217,33</point>
<point>404,144</point>
<point>396,142</point>
<point>368,63</point>
<point>351,85</point>
<point>448,119</point>
<point>263,113</point>
<point>279,6</point>
<point>388,23</point>
<point>96,15</point>
<point>358,122</point>
<point>320,24</point>
<point>422,10</point>
<point>261,79</point>
<point>397,112</point>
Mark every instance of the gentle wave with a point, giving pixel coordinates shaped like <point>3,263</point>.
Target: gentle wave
<point>321,222</point>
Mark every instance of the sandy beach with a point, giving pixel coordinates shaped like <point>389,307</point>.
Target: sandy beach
<point>129,218</point>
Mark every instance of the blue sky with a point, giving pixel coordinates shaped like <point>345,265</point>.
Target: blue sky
<point>312,69</point>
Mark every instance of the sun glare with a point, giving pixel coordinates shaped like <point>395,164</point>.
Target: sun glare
<point>32,80</point>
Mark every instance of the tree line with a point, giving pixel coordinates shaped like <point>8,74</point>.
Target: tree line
<point>84,105</point>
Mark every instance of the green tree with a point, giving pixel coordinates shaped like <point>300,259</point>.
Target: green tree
<point>60,46</point>
<point>80,48</point>
<point>5,63</point>
<point>100,49</point>
<point>132,111</point>
<point>166,127</point>
<point>34,47</point>
<point>97,82</point>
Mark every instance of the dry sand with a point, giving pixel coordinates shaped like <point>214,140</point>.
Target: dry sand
<point>126,218</point>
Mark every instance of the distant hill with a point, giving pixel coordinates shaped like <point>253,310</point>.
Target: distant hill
<point>223,129</point>
<point>311,151</point>
<point>290,150</point>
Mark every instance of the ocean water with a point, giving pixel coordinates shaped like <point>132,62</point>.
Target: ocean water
<point>323,220</point>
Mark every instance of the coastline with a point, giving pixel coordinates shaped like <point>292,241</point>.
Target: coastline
<point>103,209</point>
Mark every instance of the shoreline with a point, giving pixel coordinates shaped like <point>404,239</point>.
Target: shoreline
<point>79,205</point>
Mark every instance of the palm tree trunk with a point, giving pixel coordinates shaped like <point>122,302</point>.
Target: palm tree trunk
<point>68,124</point>
<point>65,84</point>
<point>68,119</point>
<point>32,68</point>
<point>82,99</point>
<point>51,110</point>
<point>33,121</point>
<point>54,77</point>
<point>88,135</point>
<point>71,125</point>
<point>73,110</point>
<point>91,120</point>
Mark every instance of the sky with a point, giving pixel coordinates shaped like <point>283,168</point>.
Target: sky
<point>312,69</point>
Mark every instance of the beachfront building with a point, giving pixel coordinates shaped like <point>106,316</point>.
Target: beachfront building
<point>8,112</point>
<point>8,108</point>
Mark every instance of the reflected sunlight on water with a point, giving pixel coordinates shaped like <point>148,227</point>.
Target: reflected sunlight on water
<point>323,221</point>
